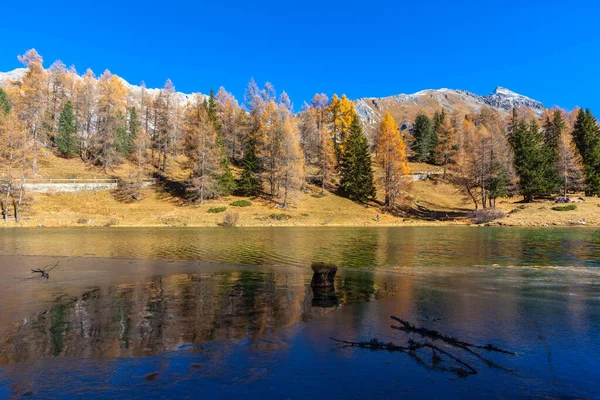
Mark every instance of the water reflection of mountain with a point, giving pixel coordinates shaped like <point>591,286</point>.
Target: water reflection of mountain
<point>163,312</point>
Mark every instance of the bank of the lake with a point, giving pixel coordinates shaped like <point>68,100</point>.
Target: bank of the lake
<point>429,205</point>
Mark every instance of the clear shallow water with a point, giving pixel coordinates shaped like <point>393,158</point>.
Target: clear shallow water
<point>299,246</point>
<point>222,329</point>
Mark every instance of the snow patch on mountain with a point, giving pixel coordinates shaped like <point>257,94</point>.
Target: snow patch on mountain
<point>6,78</point>
<point>16,75</point>
<point>371,109</point>
<point>506,99</point>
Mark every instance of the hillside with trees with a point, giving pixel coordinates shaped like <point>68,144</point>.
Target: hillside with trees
<point>201,149</point>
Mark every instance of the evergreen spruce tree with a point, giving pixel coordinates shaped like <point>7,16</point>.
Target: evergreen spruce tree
<point>528,146</point>
<point>553,129</point>
<point>227,184</point>
<point>422,133</point>
<point>355,165</point>
<point>123,142</point>
<point>438,120</point>
<point>249,183</point>
<point>4,102</point>
<point>134,128</point>
<point>498,182</point>
<point>211,108</point>
<point>586,135</point>
<point>66,140</point>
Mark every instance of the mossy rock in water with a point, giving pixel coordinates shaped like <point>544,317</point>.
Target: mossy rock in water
<point>241,203</point>
<point>569,207</point>
<point>216,210</point>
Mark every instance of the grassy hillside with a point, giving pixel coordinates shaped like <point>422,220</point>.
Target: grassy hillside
<point>426,202</point>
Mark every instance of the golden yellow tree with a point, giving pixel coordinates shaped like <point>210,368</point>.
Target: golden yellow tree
<point>391,157</point>
<point>341,114</point>
<point>111,117</point>
<point>326,156</point>
<point>291,174</point>
<point>13,159</point>
<point>86,90</point>
<point>203,151</point>
<point>446,147</point>
<point>33,99</point>
<point>268,144</point>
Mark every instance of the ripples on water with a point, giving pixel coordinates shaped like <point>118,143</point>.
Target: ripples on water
<point>235,328</point>
<point>299,246</point>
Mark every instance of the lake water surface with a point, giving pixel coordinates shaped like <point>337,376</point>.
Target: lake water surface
<point>226,313</point>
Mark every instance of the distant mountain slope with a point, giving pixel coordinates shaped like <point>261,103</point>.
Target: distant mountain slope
<point>405,107</point>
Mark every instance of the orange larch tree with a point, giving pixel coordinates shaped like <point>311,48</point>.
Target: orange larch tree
<point>392,159</point>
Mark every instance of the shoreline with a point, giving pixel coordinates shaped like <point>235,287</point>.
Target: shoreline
<point>402,224</point>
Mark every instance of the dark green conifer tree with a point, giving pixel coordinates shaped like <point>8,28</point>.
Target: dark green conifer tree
<point>227,184</point>
<point>422,133</point>
<point>530,163</point>
<point>249,182</point>
<point>553,129</point>
<point>355,165</point>
<point>123,143</point>
<point>134,127</point>
<point>438,119</point>
<point>586,135</point>
<point>4,102</point>
<point>66,140</point>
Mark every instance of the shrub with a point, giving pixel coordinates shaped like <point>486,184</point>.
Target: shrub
<point>217,210</point>
<point>487,215</point>
<point>231,219</point>
<point>569,207</point>
<point>518,209</point>
<point>241,203</point>
<point>128,191</point>
<point>280,217</point>
<point>112,222</point>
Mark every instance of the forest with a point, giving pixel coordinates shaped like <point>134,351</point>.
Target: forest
<point>261,147</point>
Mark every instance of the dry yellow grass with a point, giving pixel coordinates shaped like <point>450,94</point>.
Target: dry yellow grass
<point>540,213</point>
<point>51,166</point>
<point>159,208</point>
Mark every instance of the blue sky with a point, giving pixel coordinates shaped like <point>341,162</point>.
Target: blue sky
<point>548,50</point>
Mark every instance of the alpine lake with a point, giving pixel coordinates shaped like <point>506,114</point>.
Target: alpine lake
<point>482,312</point>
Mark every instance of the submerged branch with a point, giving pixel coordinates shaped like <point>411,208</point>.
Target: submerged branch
<point>454,363</point>
<point>411,350</point>
<point>433,334</point>
<point>44,272</point>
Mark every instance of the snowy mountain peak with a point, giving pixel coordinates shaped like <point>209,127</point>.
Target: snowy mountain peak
<point>502,91</point>
<point>408,106</point>
<point>506,99</point>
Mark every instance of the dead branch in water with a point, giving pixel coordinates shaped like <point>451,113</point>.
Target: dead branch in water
<point>44,272</point>
<point>411,350</point>
<point>456,365</point>
<point>435,335</point>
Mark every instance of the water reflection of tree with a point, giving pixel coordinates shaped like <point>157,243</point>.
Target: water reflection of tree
<point>59,326</point>
<point>167,311</point>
